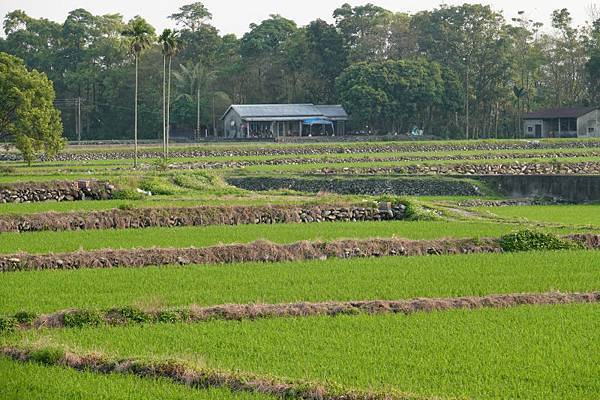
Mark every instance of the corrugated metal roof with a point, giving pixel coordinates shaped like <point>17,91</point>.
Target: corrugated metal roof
<point>333,111</point>
<point>276,110</point>
<point>549,113</point>
<point>283,112</point>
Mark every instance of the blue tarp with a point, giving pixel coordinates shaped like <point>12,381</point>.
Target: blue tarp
<point>317,121</point>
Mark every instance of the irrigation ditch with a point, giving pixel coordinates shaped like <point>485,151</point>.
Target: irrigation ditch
<point>268,252</point>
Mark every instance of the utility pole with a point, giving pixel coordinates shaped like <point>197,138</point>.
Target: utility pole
<point>79,120</point>
<point>198,113</point>
<point>213,116</point>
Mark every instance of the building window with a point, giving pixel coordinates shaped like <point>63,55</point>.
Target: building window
<point>591,129</point>
<point>530,129</point>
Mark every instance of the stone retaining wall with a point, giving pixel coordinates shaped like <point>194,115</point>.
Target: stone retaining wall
<point>55,191</point>
<point>516,168</point>
<point>272,150</point>
<point>261,251</point>
<point>421,186</point>
<point>404,158</point>
<point>576,189</point>
<point>198,216</point>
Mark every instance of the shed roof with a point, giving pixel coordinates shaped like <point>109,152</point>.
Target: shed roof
<point>333,111</point>
<point>275,110</point>
<point>566,112</point>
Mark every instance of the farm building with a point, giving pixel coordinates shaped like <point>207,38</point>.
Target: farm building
<point>563,122</point>
<point>242,121</point>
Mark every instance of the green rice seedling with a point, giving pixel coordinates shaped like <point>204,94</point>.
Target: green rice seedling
<point>39,382</point>
<point>549,352</point>
<point>391,278</point>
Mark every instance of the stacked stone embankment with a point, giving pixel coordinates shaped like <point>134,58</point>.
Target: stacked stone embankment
<point>262,251</point>
<point>210,165</point>
<point>421,186</point>
<point>275,150</point>
<point>516,168</point>
<point>198,216</point>
<point>55,191</point>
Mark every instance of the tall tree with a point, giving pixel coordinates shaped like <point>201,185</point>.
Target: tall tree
<point>593,64</point>
<point>366,30</point>
<point>170,45</point>
<point>141,35</point>
<point>192,16</point>
<point>28,117</point>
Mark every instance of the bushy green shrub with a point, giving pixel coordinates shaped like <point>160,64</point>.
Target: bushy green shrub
<point>81,318</point>
<point>126,207</point>
<point>8,324</point>
<point>25,317</point>
<point>161,164</point>
<point>132,314</point>
<point>127,194</point>
<point>159,186</point>
<point>416,212</point>
<point>528,240</point>
<point>172,316</point>
<point>47,356</point>
<point>196,181</point>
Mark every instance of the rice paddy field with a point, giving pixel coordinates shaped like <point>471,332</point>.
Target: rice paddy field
<point>510,309</point>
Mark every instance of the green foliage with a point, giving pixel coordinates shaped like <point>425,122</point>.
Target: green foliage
<point>126,207</point>
<point>197,181</point>
<point>131,314</point>
<point>158,185</point>
<point>47,356</point>
<point>82,318</point>
<point>25,317</point>
<point>127,194</point>
<point>527,240</point>
<point>390,94</point>
<point>417,212</point>
<point>172,316</point>
<point>8,324</point>
<point>28,117</point>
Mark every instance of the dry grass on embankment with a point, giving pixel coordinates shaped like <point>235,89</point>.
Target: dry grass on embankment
<point>181,373</point>
<point>263,251</point>
<point>195,314</point>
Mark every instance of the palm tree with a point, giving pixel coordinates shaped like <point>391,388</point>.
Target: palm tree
<point>192,80</point>
<point>170,44</point>
<point>141,35</point>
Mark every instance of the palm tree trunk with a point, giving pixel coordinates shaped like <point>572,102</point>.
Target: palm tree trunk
<point>164,106</point>
<point>135,124</point>
<point>169,105</point>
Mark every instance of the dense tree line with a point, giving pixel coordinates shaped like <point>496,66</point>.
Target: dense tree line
<point>455,71</point>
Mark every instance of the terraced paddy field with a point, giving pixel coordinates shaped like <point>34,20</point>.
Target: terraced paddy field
<point>367,295</point>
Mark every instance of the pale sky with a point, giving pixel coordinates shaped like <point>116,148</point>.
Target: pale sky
<point>235,16</point>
